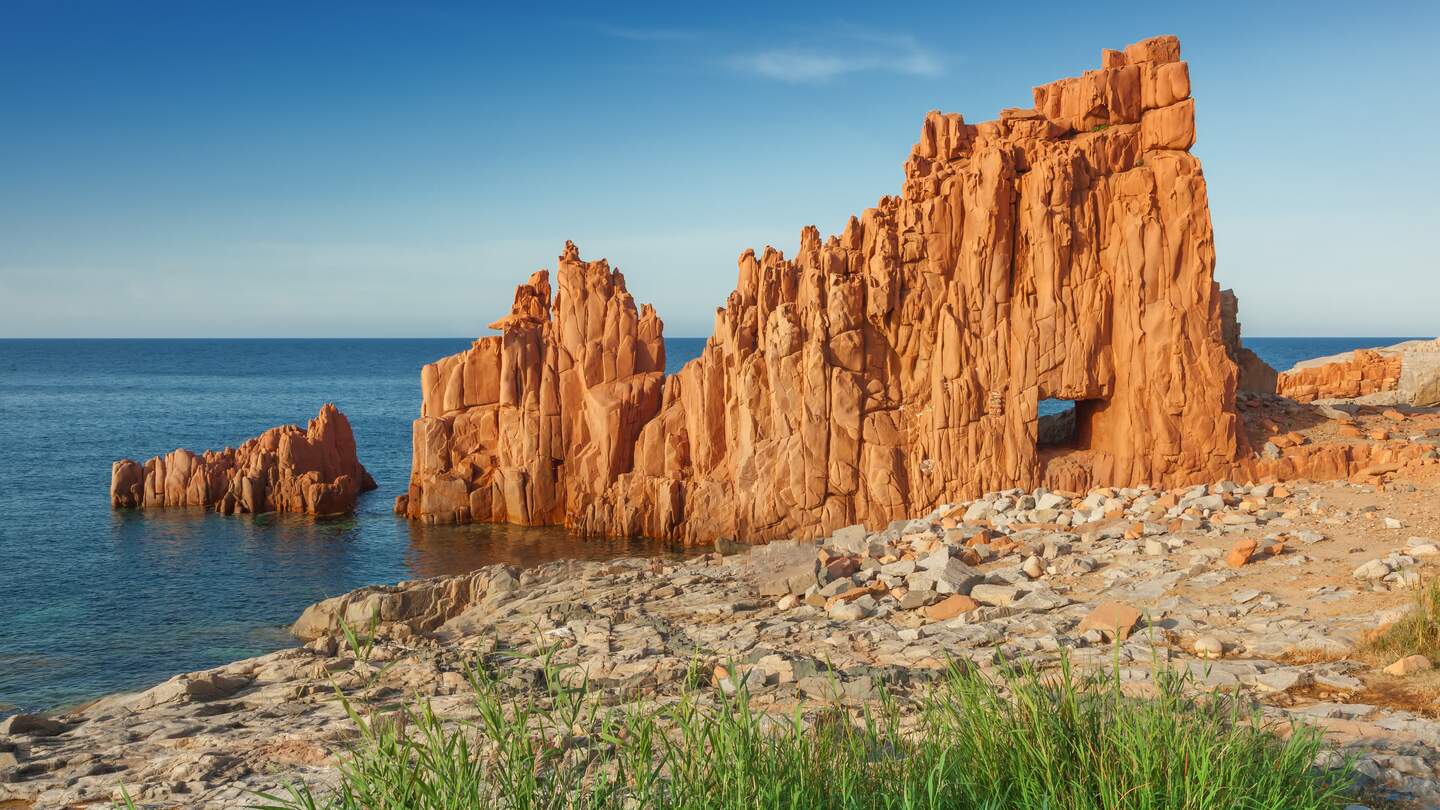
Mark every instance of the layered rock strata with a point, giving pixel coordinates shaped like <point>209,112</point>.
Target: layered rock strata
<point>1411,370</point>
<point>285,469</point>
<point>1060,252</point>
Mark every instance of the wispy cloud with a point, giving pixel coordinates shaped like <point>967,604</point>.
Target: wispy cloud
<point>847,52</point>
<point>645,34</point>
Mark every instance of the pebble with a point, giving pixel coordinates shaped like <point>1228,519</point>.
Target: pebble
<point>1208,647</point>
<point>1033,567</point>
<point>1372,570</point>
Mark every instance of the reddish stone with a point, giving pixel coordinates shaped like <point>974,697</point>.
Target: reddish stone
<point>1291,439</point>
<point>874,588</point>
<point>950,607</point>
<point>1115,619</point>
<point>1241,552</point>
<point>842,567</point>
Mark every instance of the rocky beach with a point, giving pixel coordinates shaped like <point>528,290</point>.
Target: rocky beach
<point>1271,591</point>
<point>862,492</point>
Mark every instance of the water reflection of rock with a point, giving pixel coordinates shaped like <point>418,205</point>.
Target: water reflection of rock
<point>450,549</point>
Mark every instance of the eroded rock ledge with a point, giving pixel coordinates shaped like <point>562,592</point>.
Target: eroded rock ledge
<point>1404,374</point>
<point>1063,252</point>
<point>285,469</point>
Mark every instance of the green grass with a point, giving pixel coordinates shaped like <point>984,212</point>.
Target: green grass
<point>1019,740</point>
<point>1417,633</point>
<point>360,646</point>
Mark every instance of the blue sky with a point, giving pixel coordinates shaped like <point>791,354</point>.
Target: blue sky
<point>357,169</point>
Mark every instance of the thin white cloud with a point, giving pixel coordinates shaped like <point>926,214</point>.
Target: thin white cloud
<point>847,53</point>
<point>645,34</point>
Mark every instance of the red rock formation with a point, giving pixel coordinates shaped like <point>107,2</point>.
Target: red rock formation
<point>1255,374</point>
<point>1364,372</point>
<point>1059,252</point>
<point>572,381</point>
<point>1359,461</point>
<point>284,469</point>
<point>1411,370</point>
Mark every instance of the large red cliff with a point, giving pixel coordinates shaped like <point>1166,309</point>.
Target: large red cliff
<point>285,469</point>
<point>1063,251</point>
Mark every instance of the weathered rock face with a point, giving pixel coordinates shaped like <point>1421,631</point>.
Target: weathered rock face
<point>1060,252</point>
<point>284,469</point>
<point>530,426</point>
<point>1360,373</point>
<point>1411,370</point>
<point>1255,374</point>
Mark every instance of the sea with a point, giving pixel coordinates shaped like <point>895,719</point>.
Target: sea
<point>94,601</point>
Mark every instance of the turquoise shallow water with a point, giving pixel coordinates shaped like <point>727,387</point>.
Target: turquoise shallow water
<point>95,601</point>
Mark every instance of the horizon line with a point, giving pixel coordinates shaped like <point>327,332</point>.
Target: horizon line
<point>478,337</point>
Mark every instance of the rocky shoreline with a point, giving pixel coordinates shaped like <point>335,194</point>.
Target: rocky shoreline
<point>1060,252</point>
<point>1270,590</point>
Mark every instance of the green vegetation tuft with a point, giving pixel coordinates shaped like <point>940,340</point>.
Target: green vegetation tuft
<point>1417,633</point>
<point>360,646</point>
<point>1022,739</point>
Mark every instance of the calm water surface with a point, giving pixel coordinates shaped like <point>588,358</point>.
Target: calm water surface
<point>95,601</point>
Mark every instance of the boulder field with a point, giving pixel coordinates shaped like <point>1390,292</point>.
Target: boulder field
<point>285,469</point>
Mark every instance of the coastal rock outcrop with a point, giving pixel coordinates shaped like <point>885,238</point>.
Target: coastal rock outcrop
<point>1409,371</point>
<point>422,605</point>
<point>1256,375</point>
<point>285,469</point>
<point>1060,252</point>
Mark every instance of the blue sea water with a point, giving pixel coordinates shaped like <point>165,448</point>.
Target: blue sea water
<point>96,601</point>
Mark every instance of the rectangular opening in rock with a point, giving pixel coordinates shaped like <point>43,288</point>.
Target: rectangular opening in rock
<point>1065,442</point>
<point>1064,423</point>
